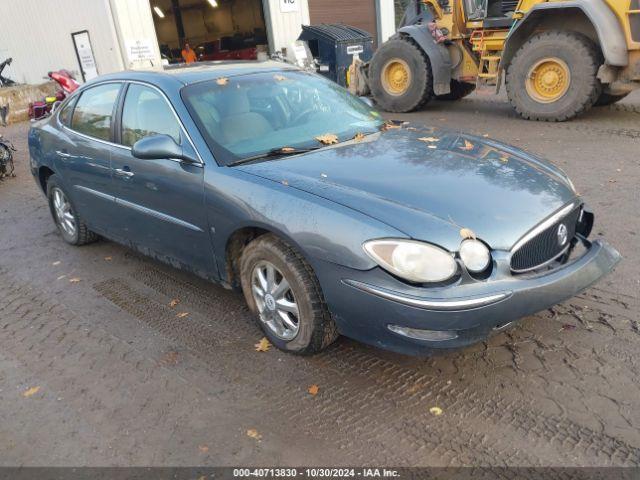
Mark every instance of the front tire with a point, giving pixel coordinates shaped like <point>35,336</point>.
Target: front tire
<point>400,76</point>
<point>280,287</point>
<point>553,76</point>
<point>72,228</point>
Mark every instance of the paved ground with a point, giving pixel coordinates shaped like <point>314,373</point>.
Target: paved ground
<point>117,378</point>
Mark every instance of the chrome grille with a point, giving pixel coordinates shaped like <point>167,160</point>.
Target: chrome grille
<point>546,245</point>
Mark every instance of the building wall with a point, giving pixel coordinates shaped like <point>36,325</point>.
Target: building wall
<point>284,28</point>
<point>37,34</point>
<point>133,22</point>
<point>361,14</point>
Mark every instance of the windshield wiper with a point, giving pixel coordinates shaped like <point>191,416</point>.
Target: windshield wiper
<point>276,152</point>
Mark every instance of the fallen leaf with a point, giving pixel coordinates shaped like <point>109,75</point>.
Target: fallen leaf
<point>279,78</point>
<point>222,81</point>
<point>169,358</point>
<point>485,135</point>
<point>253,433</point>
<point>358,137</point>
<point>174,302</point>
<point>467,233</point>
<point>313,390</point>
<point>467,145</point>
<point>182,314</point>
<point>428,139</point>
<point>413,389</point>
<point>287,149</point>
<point>203,448</point>
<point>437,411</point>
<point>263,345</point>
<point>285,183</point>
<point>327,138</point>
<point>31,391</point>
<point>55,264</point>
<point>108,259</point>
<point>389,126</point>
<point>74,280</point>
<point>504,159</point>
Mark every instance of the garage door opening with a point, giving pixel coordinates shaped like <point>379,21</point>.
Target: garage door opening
<point>215,29</point>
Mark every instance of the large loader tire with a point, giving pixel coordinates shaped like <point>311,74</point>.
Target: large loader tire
<point>553,76</point>
<point>607,99</point>
<point>400,76</point>
<point>459,90</point>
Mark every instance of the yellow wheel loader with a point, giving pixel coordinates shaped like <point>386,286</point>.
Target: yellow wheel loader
<point>558,57</point>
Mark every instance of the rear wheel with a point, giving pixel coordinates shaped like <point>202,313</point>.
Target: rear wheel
<point>607,99</point>
<point>400,76</point>
<point>72,228</point>
<point>282,290</point>
<point>458,91</point>
<point>553,76</point>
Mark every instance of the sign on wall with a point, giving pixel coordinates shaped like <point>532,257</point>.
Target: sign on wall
<point>84,52</point>
<point>287,6</point>
<point>141,49</point>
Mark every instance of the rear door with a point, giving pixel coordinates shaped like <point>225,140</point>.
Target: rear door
<point>83,153</point>
<point>160,202</point>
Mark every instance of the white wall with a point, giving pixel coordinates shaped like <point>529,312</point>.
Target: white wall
<point>133,21</point>
<point>386,19</point>
<point>37,34</point>
<point>284,28</point>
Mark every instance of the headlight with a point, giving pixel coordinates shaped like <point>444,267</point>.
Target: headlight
<point>414,261</point>
<point>475,255</point>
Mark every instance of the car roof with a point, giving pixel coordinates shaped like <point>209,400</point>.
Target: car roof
<point>197,72</point>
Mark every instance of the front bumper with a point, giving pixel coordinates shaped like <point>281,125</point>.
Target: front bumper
<point>366,304</point>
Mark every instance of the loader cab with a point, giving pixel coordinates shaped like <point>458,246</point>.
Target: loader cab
<point>492,13</point>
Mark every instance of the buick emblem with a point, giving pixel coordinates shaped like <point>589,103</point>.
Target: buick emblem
<point>563,234</point>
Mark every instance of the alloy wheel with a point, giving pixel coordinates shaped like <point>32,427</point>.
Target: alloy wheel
<point>64,213</point>
<point>276,303</point>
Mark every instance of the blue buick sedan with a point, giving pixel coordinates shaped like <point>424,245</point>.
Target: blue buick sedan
<point>330,220</point>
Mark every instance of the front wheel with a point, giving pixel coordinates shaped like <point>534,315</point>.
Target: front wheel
<point>400,76</point>
<point>282,290</point>
<point>553,76</point>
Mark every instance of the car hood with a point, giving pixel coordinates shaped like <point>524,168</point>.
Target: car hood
<point>430,183</point>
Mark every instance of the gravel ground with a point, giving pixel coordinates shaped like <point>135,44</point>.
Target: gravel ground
<point>102,371</point>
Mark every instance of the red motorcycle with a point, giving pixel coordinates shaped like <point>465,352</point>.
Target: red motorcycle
<point>68,85</point>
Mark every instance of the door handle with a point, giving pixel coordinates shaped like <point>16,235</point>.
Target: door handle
<point>124,173</point>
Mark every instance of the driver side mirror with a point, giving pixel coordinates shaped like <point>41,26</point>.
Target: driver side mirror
<point>158,147</point>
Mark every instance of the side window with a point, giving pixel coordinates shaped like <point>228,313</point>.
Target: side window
<point>65,114</point>
<point>94,109</point>
<point>145,113</point>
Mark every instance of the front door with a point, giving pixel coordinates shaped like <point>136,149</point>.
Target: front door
<point>160,202</point>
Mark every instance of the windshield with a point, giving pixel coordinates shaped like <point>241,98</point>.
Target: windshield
<point>250,115</point>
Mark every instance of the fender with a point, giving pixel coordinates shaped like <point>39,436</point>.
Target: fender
<point>438,56</point>
<point>604,21</point>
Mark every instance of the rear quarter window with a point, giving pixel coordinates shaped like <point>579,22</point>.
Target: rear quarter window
<point>93,112</point>
<point>65,113</point>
